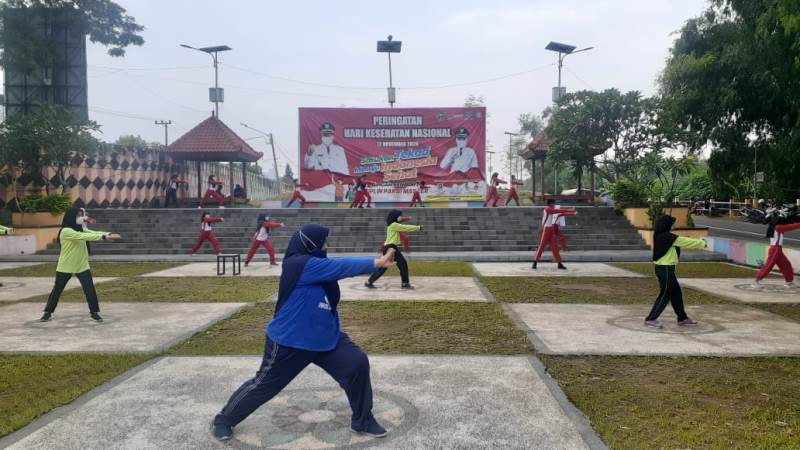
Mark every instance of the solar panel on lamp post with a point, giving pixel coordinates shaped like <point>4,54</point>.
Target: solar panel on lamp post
<point>389,46</point>
<point>563,50</point>
<point>216,95</point>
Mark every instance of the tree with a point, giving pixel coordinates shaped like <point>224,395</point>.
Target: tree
<point>288,175</point>
<point>733,79</point>
<point>473,101</point>
<point>136,141</point>
<point>529,126</point>
<point>25,48</point>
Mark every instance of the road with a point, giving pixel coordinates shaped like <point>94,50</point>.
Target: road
<point>736,229</point>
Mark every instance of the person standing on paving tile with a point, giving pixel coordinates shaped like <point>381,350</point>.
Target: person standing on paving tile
<point>212,192</point>
<point>207,233</point>
<point>512,190</point>
<point>666,255</point>
<point>175,181</point>
<point>263,225</point>
<point>492,197</point>
<point>782,223</point>
<point>548,230</point>
<point>305,330</point>
<point>296,195</point>
<point>73,259</point>
<point>393,230</point>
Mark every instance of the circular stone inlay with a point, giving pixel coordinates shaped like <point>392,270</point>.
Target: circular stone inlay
<point>769,288</point>
<point>636,323</point>
<point>12,284</point>
<point>320,418</point>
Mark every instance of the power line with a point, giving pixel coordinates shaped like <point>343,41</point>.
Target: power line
<point>149,69</point>
<point>579,78</point>
<point>127,115</point>
<point>159,96</point>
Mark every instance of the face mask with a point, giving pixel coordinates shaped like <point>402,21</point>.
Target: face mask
<point>80,220</point>
<point>461,143</point>
<point>327,140</point>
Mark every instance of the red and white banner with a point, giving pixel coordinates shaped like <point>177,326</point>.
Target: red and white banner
<point>393,150</point>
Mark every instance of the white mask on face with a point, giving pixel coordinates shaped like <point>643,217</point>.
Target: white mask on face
<point>80,220</point>
<point>461,143</point>
<point>327,140</point>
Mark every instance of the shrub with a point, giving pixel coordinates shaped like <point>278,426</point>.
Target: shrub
<point>54,203</point>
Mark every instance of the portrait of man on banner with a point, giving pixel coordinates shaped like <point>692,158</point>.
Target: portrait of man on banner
<point>460,158</point>
<point>326,155</point>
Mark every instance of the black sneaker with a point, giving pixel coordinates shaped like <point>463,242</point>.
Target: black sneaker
<point>561,266</point>
<point>533,266</point>
<point>406,286</point>
<point>373,429</point>
<point>96,317</point>
<point>369,285</point>
<point>222,432</point>
<point>46,317</point>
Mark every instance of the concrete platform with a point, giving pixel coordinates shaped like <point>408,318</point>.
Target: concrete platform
<point>209,269</point>
<point>18,288</point>
<point>14,265</point>
<point>740,289</point>
<point>725,330</point>
<point>127,327</point>
<point>425,402</point>
<point>450,289</point>
<point>548,269</point>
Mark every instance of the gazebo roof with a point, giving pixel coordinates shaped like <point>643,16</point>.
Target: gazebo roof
<point>538,147</point>
<point>212,140</point>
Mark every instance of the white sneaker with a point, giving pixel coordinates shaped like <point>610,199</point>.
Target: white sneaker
<point>792,285</point>
<point>221,207</point>
<point>757,285</point>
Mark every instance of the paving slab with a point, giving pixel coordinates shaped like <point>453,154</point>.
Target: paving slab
<point>773,290</point>
<point>18,288</point>
<point>449,289</point>
<point>425,402</point>
<point>547,269</point>
<point>724,330</point>
<point>14,265</point>
<point>209,269</point>
<point>127,327</point>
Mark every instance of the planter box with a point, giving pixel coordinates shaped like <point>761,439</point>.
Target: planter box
<point>694,233</point>
<point>17,245</point>
<point>36,219</point>
<point>638,216</point>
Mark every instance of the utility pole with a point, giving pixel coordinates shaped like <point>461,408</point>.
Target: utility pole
<point>215,94</point>
<point>166,124</point>
<point>512,163</point>
<point>490,161</point>
<point>272,144</point>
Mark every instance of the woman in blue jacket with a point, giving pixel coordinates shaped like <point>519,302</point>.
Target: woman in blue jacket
<point>305,330</point>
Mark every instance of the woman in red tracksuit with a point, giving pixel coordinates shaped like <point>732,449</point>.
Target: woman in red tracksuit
<point>211,192</point>
<point>512,191</point>
<point>775,255</point>
<point>416,197</point>
<point>492,197</point>
<point>361,194</point>
<point>262,238</point>
<point>296,195</point>
<point>548,231</point>
<point>207,233</point>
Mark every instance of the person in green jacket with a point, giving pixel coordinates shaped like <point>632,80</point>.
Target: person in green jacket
<point>74,260</point>
<point>5,230</point>
<point>666,253</point>
<point>393,230</point>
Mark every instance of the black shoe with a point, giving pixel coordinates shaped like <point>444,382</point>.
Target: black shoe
<point>561,266</point>
<point>533,266</point>
<point>46,317</point>
<point>373,429</point>
<point>406,286</point>
<point>369,285</point>
<point>96,317</point>
<point>222,432</point>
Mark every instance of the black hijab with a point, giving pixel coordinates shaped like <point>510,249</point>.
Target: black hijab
<point>394,216</point>
<point>306,243</point>
<point>662,238</point>
<point>70,220</point>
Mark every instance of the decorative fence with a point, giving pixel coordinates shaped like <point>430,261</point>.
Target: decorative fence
<point>748,252</point>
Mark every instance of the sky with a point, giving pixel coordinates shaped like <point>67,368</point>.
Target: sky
<point>322,54</point>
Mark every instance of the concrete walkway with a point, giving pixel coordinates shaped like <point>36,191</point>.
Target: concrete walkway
<point>773,290</point>
<point>425,402</point>
<point>551,270</point>
<point>18,288</point>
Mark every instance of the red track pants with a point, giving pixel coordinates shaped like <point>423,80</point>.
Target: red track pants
<point>416,198</point>
<point>561,237</point>
<point>254,247</point>
<point>491,197</point>
<point>211,238</point>
<point>297,196</point>
<point>512,195</point>
<point>212,194</point>
<point>548,238</point>
<point>775,256</point>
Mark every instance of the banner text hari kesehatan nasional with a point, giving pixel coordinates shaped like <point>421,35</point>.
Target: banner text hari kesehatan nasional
<point>395,151</point>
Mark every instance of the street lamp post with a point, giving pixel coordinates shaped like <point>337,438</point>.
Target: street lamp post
<point>511,152</point>
<point>215,94</point>
<point>272,144</point>
<point>389,46</point>
<point>490,161</point>
<point>563,50</point>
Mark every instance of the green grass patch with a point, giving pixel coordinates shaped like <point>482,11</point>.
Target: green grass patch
<point>695,270</point>
<point>32,385</point>
<point>685,403</point>
<point>788,310</point>
<point>99,269</point>
<point>435,269</point>
<point>598,290</point>
<point>177,290</point>
<point>381,327</point>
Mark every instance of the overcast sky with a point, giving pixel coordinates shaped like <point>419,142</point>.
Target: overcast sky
<point>283,51</point>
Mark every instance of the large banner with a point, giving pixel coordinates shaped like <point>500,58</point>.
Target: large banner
<point>393,150</point>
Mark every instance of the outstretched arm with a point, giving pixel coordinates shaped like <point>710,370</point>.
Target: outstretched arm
<point>787,228</point>
<point>685,242</point>
<point>319,270</point>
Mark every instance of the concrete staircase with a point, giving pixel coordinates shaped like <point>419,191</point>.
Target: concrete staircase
<point>173,231</point>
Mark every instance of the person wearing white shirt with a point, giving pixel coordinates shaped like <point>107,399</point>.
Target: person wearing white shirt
<point>326,155</point>
<point>460,158</point>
